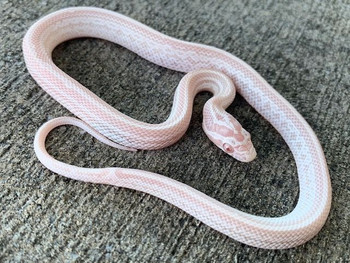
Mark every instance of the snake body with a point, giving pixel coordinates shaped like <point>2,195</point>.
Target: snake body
<point>208,69</point>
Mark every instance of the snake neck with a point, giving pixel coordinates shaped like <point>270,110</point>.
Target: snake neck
<point>198,81</point>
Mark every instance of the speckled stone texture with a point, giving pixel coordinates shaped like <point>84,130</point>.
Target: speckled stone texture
<point>300,47</point>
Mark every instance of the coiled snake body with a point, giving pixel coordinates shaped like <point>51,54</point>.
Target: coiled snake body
<point>207,68</point>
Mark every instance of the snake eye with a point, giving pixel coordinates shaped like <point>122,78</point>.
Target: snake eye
<point>227,148</point>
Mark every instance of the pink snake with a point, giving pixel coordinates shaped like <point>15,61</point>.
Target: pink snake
<point>208,69</point>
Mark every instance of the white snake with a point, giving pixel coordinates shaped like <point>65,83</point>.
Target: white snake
<point>210,69</point>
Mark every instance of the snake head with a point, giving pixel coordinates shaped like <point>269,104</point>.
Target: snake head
<point>228,134</point>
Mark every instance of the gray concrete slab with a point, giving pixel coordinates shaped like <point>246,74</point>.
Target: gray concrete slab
<point>300,47</point>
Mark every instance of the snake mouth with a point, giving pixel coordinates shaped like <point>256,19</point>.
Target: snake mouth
<point>245,153</point>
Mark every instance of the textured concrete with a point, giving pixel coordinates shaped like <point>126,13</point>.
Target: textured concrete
<point>300,47</point>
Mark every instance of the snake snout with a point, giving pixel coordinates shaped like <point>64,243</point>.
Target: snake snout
<point>250,155</point>
<point>245,153</point>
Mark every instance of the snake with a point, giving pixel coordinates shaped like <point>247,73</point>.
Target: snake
<point>205,68</point>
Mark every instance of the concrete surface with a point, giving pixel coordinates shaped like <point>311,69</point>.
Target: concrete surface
<point>300,47</point>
